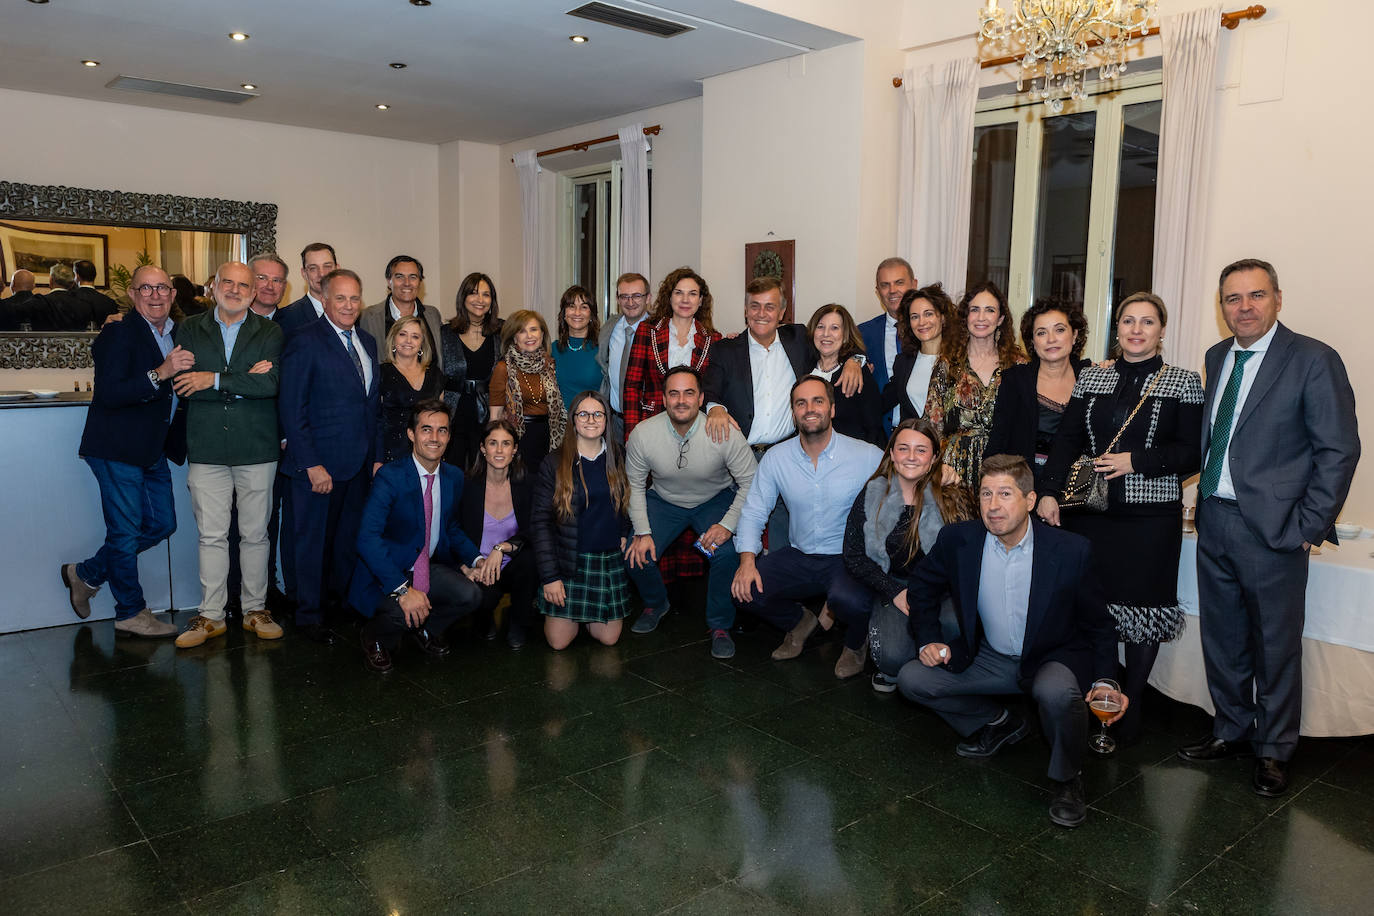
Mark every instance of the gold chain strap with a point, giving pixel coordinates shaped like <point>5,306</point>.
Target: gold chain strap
<point>1143,398</point>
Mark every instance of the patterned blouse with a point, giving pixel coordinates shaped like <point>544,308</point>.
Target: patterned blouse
<point>961,408</point>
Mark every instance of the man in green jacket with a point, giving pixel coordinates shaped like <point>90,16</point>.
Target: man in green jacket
<point>232,447</point>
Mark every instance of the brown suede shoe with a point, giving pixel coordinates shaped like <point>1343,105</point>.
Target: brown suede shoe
<point>200,629</point>
<point>78,591</point>
<point>261,624</point>
<point>146,625</point>
<point>796,638</point>
<point>851,662</point>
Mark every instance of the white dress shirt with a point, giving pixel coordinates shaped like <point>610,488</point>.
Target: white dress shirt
<point>357,345</point>
<point>681,355</point>
<point>890,355</point>
<point>622,331</point>
<point>435,503</point>
<point>1225,488</point>
<point>773,378</point>
<point>317,304</point>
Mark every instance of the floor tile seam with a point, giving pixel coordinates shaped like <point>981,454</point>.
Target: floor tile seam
<point>1194,876</point>
<point>188,901</point>
<point>697,896</point>
<point>668,812</point>
<point>49,866</point>
<point>199,825</point>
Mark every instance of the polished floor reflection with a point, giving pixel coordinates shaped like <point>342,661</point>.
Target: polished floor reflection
<point>253,777</point>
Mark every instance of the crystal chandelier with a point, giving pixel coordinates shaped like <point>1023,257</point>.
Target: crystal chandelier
<point>1057,36</point>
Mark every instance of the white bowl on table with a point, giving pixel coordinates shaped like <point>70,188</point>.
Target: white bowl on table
<point>1348,531</point>
<point>43,392</point>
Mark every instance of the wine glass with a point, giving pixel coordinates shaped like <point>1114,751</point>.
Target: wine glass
<point>1105,702</point>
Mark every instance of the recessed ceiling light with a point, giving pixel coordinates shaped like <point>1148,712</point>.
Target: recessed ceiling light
<point>396,65</point>
<point>412,2</point>
<point>382,106</point>
<point>578,39</point>
<point>249,86</point>
<point>90,63</point>
<point>239,36</point>
<point>38,1</point>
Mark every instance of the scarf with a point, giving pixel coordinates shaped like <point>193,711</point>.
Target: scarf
<point>539,364</point>
<point>883,509</point>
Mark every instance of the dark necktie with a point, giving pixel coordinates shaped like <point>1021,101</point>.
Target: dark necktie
<point>1221,428</point>
<point>353,354</point>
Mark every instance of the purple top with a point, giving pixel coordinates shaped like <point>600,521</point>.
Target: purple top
<point>496,530</point>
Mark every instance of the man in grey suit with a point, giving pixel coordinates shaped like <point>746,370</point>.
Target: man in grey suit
<point>613,345</point>
<point>403,278</point>
<point>1281,446</point>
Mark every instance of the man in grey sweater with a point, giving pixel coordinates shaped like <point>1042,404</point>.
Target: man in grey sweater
<point>680,478</point>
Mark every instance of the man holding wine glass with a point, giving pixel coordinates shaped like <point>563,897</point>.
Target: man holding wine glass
<point>1031,618</point>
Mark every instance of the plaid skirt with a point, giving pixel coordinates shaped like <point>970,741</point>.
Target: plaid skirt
<point>598,592</point>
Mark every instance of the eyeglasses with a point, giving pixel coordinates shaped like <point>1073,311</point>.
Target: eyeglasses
<point>585,415</point>
<point>148,289</point>
<point>682,453</point>
<point>631,297</point>
<point>275,281</point>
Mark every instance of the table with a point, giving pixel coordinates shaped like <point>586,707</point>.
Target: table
<point>1337,645</point>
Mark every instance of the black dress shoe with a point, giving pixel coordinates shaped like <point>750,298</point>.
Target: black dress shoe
<point>1211,748</point>
<point>317,633</point>
<point>515,635</point>
<point>375,658</point>
<point>427,643</point>
<point>1271,777</point>
<point>990,739</point>
<point>1068,808</point>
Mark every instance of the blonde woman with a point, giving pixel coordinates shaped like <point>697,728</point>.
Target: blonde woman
<point>409,374</point>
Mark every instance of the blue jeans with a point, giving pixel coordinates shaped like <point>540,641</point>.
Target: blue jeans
<point>139,513</point>
<point>667,522</point>
<point>790,576</point>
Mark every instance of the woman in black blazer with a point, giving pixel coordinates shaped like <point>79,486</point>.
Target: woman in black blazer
<point>1033,396</point>
<point>921,321</point>
<point>494,512</point>
<point>836,338</point>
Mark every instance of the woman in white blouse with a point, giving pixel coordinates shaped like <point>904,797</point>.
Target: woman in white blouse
<point>921,321</point>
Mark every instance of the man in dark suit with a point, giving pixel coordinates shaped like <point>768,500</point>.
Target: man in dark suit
<point>269,283</point>
<point>231,441</point>
<point>98,305</point>
<point>14,311</point>
<point>891,282</point>
<point>413,555</point>
<point>59,310</point>
<point>1030,618</point>
<point>404,274</point>
<point>132,428</point>
<point>614,342</point>
<point>328,409</point>
<point>317,261</point>
<point>1281,445</point>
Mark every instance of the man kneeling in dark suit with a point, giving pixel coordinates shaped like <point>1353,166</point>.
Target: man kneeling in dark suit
<point>411,578</point>
<point>1030,619</point>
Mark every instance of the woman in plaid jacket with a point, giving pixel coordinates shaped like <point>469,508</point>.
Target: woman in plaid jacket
<point>678,333</point>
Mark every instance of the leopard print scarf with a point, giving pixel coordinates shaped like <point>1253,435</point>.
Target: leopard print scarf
<point>540,364</point>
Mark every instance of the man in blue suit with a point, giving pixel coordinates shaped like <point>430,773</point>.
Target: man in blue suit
<point>413,555</point>
<point>317,261</point>
<point>894,277</point>
<point>328,407</point>
<point>132,428</point>
<point>1030,618</point>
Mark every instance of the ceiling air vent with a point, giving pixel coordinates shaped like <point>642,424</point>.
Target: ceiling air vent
<point>185,90</point>
<point>622,18</point>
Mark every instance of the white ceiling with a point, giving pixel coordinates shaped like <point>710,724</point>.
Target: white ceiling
<point>482,70</point>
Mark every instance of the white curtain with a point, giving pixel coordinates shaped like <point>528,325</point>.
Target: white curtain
<point>936,172</point>
<point>634,200</point>
<point>1185,145</point>
<point>527,166</point>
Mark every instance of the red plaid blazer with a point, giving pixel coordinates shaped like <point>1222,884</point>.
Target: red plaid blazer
<point>642,396</point>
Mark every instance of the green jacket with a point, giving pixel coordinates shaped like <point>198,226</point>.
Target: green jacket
<point>237,422</point>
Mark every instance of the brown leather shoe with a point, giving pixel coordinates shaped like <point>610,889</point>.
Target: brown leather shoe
<point>261,624</point>
<point>1271,777</point>
<point>200,629</point>
<point>375,658</point>
<point>796,637</point>
<point>78,591</point>
<point>427,643</point>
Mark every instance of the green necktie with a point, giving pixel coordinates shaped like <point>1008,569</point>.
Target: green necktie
<point>1221,428</point>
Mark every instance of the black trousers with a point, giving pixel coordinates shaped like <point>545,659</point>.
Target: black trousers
<point>451,596</point>
<point>520,579</point>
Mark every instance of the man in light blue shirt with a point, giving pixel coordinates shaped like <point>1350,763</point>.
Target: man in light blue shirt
<point>817,473</point>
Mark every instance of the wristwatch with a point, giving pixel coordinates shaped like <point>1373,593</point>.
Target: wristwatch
<point>401,590</point>
<point>152,377</point>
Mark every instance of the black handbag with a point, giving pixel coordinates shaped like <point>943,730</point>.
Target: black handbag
<point>1085,487</point>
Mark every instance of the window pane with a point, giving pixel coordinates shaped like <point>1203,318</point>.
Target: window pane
<point>1066,178</point>
<point>989,225</point>
<point>1133,248</point>
<point>584,221</point>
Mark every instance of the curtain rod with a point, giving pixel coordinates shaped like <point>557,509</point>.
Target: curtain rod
<point>584,145</point>
<point>1228,21</point>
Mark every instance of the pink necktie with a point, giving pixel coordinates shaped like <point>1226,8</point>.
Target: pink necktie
<point>421,577</point>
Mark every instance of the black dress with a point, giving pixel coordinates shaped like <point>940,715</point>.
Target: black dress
<point>861,416</point>
<point>468,373</point>
<point>397,399</point>
<point>1023,422</point>
<point>1136,542</point>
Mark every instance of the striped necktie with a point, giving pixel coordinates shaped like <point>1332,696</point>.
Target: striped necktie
<point>353,353</point>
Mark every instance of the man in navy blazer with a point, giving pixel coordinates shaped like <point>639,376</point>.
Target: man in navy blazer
<point>132,428</point>
<point>396,552</point>
<point>317,260</point>
<point>328,407</point>
<point>891,281</point>
<point>1030,618</point>
<point>1281,445</point>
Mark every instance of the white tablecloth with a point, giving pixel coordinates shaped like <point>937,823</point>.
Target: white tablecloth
<point>1337,651</point>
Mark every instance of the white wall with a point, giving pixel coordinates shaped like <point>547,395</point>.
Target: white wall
<point>369,197</point>
<point>469,215</point>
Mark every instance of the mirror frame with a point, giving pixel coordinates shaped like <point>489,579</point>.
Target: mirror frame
<point>257,222</point>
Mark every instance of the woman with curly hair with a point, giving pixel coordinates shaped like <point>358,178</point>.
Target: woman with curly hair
<point>963,392</point>
<point>678,332</point>
<point>922,318</point>
<point>1032,397</point>
<point>524,388</point>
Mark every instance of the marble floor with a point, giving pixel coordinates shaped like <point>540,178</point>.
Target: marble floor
<point>255,777</point>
